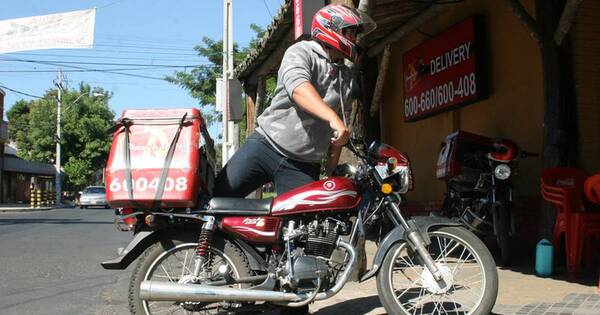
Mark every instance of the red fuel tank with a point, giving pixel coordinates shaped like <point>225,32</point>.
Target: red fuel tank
<point>334,193</point>
<point>262,230</point>
<point>151,134</point>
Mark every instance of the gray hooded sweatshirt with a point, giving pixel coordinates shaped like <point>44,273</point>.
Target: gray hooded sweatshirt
<point>292,131</point>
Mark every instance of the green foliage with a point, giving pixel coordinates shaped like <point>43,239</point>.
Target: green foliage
<point>84,141</point>
<point>200,81</point>
<point>80,171</point>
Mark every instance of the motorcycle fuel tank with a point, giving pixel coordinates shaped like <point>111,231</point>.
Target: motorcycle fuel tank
<point>253,229</point>
<point>334,193</point>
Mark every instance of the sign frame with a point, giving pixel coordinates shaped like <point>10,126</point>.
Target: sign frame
<point>479,70</point>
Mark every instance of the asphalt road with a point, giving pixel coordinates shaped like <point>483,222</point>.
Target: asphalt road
<point>50,263</point>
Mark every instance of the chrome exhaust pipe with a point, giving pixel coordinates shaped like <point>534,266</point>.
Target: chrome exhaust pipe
<point>339,284</point>
<point>180,292</point>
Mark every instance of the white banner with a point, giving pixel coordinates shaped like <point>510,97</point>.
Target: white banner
<point>73,29</point>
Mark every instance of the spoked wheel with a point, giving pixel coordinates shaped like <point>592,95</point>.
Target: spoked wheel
<point>470,283</point>
<point>173,260</point>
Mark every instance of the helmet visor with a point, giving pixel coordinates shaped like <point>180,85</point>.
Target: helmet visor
<point>366,25</point>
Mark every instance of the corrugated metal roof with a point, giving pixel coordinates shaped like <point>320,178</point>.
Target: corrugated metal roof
<point>276,31</point>
<point>388,14</point>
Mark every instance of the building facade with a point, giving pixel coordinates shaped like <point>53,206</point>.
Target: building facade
<point>538,61</point>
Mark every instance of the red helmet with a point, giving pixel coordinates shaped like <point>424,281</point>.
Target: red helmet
<point>328,23</point>
<point>504,151</point>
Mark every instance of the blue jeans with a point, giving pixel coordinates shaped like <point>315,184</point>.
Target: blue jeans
<point>257,163</point>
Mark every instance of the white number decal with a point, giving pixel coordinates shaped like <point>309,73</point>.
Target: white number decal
<point>143,184</point>
<point>181,184</point>
<point>114,185</point>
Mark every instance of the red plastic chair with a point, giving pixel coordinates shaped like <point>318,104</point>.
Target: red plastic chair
<point>591,188</point>
<point>563,187</point>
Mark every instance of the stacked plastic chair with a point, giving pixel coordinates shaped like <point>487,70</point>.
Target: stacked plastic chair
<point>564,187</point>
<point>591,188</point>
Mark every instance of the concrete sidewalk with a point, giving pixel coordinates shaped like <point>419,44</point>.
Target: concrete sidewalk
<point>21,207</point>
<point>520,292</point>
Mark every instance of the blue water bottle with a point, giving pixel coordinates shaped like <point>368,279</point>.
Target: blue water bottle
<point>544,256</point>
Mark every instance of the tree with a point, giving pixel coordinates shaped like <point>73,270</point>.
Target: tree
<point>200,82</point>
<point>84,142</point>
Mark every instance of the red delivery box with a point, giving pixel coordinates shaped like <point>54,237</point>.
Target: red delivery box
<point>159,158</point>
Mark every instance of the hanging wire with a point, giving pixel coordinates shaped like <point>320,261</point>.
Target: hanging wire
<point>109,4</point>
<point>19,92</point>
<point>268,10</point>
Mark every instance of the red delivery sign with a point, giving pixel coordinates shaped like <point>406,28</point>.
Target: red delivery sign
<point>445,72</point>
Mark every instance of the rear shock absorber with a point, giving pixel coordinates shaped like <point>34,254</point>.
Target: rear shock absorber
<point>204,242</point>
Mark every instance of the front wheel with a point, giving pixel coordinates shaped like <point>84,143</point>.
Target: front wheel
<point>172,259</point>
<point>470,283</point>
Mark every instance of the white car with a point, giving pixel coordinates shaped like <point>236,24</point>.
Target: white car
<point>93,196</point>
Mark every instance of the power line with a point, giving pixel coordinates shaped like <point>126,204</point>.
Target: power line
<point>143,52</point>
<point>83,68</point>
<point>19,92</point>
<point>114,64</point>
<point>146,47</point>
<point>144,39</point>
<point>268,10</point>
<point>104,57</point>
<point>109,4</point>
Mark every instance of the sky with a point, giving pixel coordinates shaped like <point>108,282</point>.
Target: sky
<point>141,32</point>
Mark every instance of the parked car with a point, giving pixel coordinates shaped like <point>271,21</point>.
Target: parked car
<point>93,196</point>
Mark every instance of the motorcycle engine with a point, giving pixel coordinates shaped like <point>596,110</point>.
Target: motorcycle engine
<point>309,259</point>
<point>322,236</point>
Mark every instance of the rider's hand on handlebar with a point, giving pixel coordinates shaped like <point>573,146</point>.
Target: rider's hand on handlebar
<point>341,134</point>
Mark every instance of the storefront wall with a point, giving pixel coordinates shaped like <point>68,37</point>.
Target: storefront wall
<point>585,41</point>
<point>514,109</point>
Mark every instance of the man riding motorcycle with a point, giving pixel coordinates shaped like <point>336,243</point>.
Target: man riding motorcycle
<point>308,115</point>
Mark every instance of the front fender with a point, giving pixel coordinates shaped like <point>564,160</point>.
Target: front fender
<point>423,223</point>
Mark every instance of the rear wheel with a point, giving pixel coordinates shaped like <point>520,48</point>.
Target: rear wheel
<point>173,260</point>
<point>470,283</point>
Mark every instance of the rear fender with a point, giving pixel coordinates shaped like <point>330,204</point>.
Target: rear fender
<point>423,223</point>
<point>144,239</point>
<point>135,248</point>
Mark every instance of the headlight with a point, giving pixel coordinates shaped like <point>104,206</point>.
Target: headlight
<point>502,171</point>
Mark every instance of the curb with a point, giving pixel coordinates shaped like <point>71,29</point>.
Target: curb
<point>25,209</point>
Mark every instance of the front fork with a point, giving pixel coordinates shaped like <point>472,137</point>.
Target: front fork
<point>416,241</point>
<point>505,200</point>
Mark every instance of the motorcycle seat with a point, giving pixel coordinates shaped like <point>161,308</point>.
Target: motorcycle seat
<point>239,206</point>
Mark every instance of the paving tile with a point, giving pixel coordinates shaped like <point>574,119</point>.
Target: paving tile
<point>569,297</point>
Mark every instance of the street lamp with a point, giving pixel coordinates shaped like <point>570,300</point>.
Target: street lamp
<point>58,175</point>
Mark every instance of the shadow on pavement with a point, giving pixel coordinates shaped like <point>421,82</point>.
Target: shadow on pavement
<point>361,305</point>
<point>50,221</point>
<point>524,263</point>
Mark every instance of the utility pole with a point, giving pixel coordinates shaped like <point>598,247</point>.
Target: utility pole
<point>230,129</point>
<point>57,175</point>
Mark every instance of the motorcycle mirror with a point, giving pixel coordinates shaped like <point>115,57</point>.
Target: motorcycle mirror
<point>373,148</point>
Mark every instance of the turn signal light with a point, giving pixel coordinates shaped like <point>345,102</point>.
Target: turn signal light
<point>386,188</point>
<point>129,222</point>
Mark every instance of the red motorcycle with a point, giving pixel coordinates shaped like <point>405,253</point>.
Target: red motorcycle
<point>234,255</point>
<point>478,172</point>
